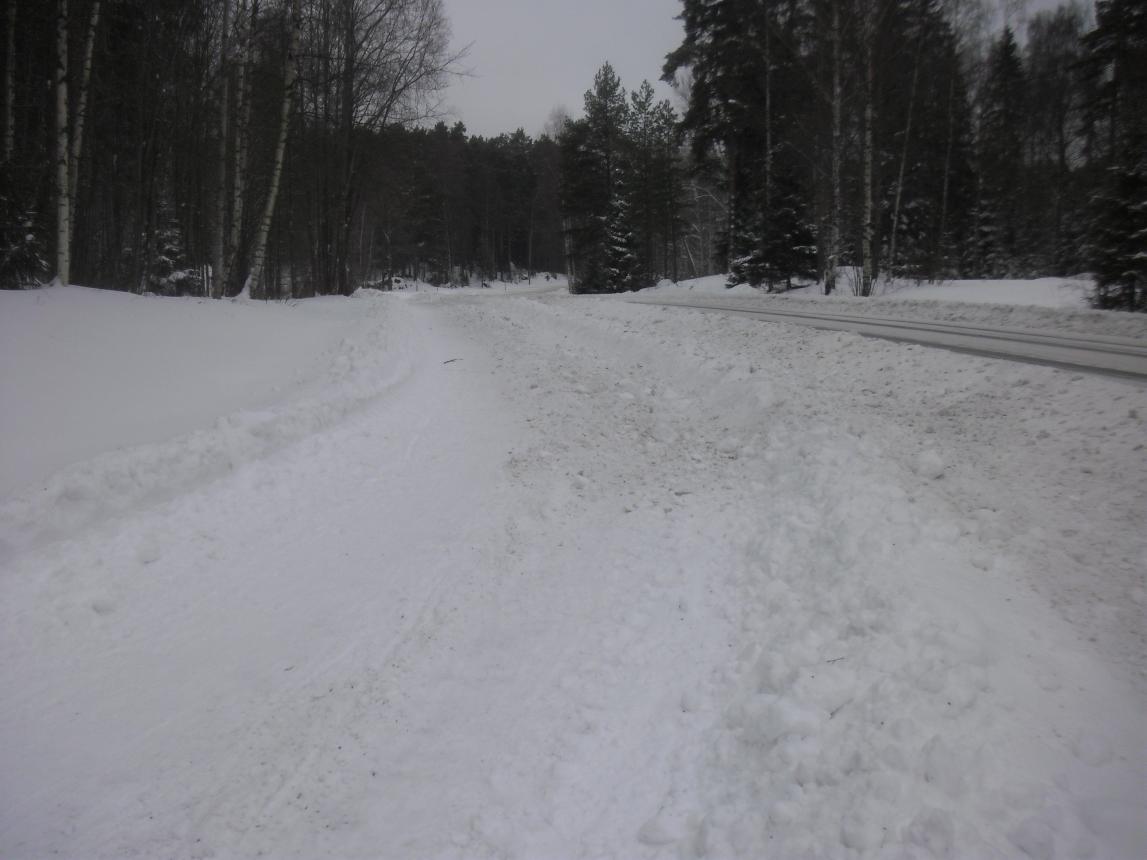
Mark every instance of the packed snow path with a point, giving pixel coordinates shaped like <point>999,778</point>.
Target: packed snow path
<point>550,577</point>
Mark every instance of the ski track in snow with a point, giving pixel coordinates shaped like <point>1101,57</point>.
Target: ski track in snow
<point>617,583</point>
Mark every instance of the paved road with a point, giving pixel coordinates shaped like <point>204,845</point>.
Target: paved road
<point>1112,356</point>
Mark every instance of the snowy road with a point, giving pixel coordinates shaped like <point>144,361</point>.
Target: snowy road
<point>545,576</point>
<point>1114,356</point>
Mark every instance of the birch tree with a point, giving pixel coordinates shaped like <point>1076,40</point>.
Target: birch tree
<point>63,195</point>
<point>868,156</point>
<point>219,237</point>
<point>895,230</point>
<point>239,170</point>
<point>290,78</point>
<point>837,144</point>
<point>77,144</point>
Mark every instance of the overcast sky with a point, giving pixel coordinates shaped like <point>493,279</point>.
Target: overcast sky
<point>529,56</point>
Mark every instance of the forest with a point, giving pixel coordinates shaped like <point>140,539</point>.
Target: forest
<point>299,147</point>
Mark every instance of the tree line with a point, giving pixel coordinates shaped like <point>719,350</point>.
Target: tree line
<point>289,147</point>
<point>850,140</point>
<point>277,146</point>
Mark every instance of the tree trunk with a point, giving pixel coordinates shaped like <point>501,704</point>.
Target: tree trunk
<point>290,77</point>
<point>10,87</point>
<point>941,238</point>
<point>868,227</point>
<point>219,241</point>
<point>350,62</point>
<point>837,150</point>
<point>82,112</point>
<point>767,220</point>
<point>63,197</point>
<point>242,137</point>
<point>904,157</point>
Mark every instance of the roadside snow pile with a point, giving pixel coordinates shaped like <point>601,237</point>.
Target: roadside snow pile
<point>1064,293</point>
<point>113,399</point>
<point>712,284</point>
<point>921,667</point>
<point>594,579</point>
<point>1000,304</point>
<point>1067,293</point>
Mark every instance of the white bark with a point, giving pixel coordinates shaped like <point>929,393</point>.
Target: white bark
<point>82,109</point>
<point>291,74</point>
<point>63,198</point>
<point>837,149</point>
<point>242,135</point>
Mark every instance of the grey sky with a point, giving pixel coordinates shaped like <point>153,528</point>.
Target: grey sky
<point>528,56</point>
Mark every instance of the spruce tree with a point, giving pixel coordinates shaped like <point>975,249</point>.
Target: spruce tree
<point>1117,60</point>
<point>593,165</point>
<point>1000,161</point>
<point>753,109</point>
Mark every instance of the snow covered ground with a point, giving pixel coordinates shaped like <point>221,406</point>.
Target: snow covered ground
<point>486,575</point>
<point>1069,293</point>
<point>1052,304</point>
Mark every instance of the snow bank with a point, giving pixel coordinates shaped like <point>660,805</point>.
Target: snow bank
<point>1026,305</point>
<point>593,579</point>
<point>711,284</point>
<point>124,398</point>
<point>939,596</point>
<point>1067,293</point>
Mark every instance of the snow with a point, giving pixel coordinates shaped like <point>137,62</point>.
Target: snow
<point>1045,304</point>
<point>1069,293</point>
<point>61,348</point>
<point>556,576</point>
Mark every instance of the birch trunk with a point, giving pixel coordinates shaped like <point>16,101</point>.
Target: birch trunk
<point>10,87</point>
<point>904,158</point>
<point>837,147</point>
<point>868,256</point>
<point>63,198</point>
<point>242,138</point>
<point>291,76</point>
<point>349,71</point>
<point>82,111</point>
<point>219,241</point>
<point>768,146</point>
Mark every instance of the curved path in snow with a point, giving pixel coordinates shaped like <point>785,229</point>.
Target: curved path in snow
<point>1112,356</point>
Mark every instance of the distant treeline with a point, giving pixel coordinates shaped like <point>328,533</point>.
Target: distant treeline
<point>288,147</point>
<point>194,146</point>
<point>854,139</point>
